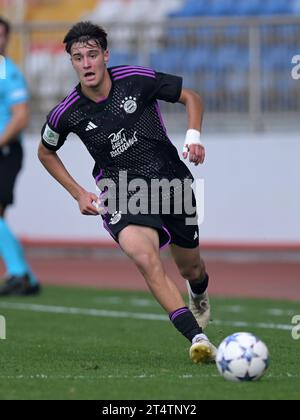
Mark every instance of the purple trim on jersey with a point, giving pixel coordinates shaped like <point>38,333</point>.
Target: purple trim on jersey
<point>64,110</point>
<point>130,70</point>
<point>169,241</point>
<point>178,312</point>
<point>152,76</point>
<point>61,105</point>
<point>98,177</point>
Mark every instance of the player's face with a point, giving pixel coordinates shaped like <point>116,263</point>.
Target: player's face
<point>89,61</point>
<point>3,39</point>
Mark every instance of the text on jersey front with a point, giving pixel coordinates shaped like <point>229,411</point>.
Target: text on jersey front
<point>120,143</point>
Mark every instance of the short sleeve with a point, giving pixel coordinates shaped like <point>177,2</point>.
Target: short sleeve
<point>53,137</point>
<point>167,87</point>
<point>16,90</point>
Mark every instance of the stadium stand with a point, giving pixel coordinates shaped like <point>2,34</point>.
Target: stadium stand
<point>213,56</point>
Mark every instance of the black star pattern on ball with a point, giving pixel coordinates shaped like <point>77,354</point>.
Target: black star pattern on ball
<point>247,378</point>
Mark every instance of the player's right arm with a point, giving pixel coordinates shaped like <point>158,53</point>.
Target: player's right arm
<point>53,137</point>
<point>58,171</point>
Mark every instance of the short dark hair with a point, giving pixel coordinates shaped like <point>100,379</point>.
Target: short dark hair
<point>6,25</point>
<point>85,32</point>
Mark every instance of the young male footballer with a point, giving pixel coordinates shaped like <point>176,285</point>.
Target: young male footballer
<point>115,113</point>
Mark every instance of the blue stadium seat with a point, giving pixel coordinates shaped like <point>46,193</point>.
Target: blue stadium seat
<point>234,32</point>
<point>118,58</point>
<point>295,7</point>
<point>287,32</point>
<point>273,7</point>
<point>199,58</point>
<point>236,81</point>
<point>236,7</point>
<point>222,7</point>
<point>248,7</point>
<point>232,57</point>
<point>191,8</point>
<point>177,33</point>
<point>210,83</point>
<point>167,60</point>
<point>277,58</point>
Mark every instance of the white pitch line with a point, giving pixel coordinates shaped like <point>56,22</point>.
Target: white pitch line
<point>120,377</point>
<point>234,309</point>
<point>262,325</point>
<point>81,311</point>
<point>129,315</point>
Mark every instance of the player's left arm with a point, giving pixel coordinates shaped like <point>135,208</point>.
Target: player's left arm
<point>195,111</point>
<point>18,122</point>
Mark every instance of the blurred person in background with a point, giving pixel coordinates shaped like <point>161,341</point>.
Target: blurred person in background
<point>115,113</point>
<point>14,117</point>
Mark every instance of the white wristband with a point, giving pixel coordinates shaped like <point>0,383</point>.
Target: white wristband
<point>192,137</point>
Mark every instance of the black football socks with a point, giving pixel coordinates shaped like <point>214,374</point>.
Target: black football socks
<point>186,323</point>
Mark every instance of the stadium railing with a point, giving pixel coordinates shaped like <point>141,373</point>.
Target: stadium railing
<point>242,66</point>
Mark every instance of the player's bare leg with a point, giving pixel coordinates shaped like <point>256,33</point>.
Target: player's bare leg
<point>141,244</point>
<point>192,269</point>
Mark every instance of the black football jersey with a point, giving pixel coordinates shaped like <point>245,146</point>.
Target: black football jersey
<point>124,132</point>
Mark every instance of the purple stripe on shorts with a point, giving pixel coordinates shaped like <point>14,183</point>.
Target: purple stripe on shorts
<point>61,105</point>
<point>121,72</point>
<point>64,110</point>
<point>177,313</point>
<point>98,177</point>
<point>169,241</point>
<point>130,68</point>
<point>108,230</point>
<point>152,76</point>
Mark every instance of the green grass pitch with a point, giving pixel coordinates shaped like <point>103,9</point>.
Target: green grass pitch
<point>101,345</point>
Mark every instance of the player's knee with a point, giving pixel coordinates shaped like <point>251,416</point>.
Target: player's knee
<point>194,272</point>
<point>145,261</point>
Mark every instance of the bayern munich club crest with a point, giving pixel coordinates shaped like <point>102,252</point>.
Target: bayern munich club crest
<point>129,105</point>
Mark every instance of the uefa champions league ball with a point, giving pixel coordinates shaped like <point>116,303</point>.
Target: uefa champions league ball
<point>242,357</point>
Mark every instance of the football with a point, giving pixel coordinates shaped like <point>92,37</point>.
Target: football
<point>242,357</point>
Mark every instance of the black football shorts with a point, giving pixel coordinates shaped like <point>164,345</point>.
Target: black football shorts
<point>172,228</point>
<point>11,158</point>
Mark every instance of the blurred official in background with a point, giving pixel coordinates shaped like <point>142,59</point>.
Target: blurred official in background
<point>14,117</point>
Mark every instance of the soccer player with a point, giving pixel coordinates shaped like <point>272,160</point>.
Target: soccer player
<point>115,113</point>
<point>14,115</point>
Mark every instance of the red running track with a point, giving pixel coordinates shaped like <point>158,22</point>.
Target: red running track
<point>276,280</point>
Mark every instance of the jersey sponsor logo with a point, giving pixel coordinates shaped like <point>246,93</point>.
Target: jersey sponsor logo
<point>50,136</point>
<point>91,126</point>
<point>116,217</point>
<point>129,105</point>
<point>120,143</point>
